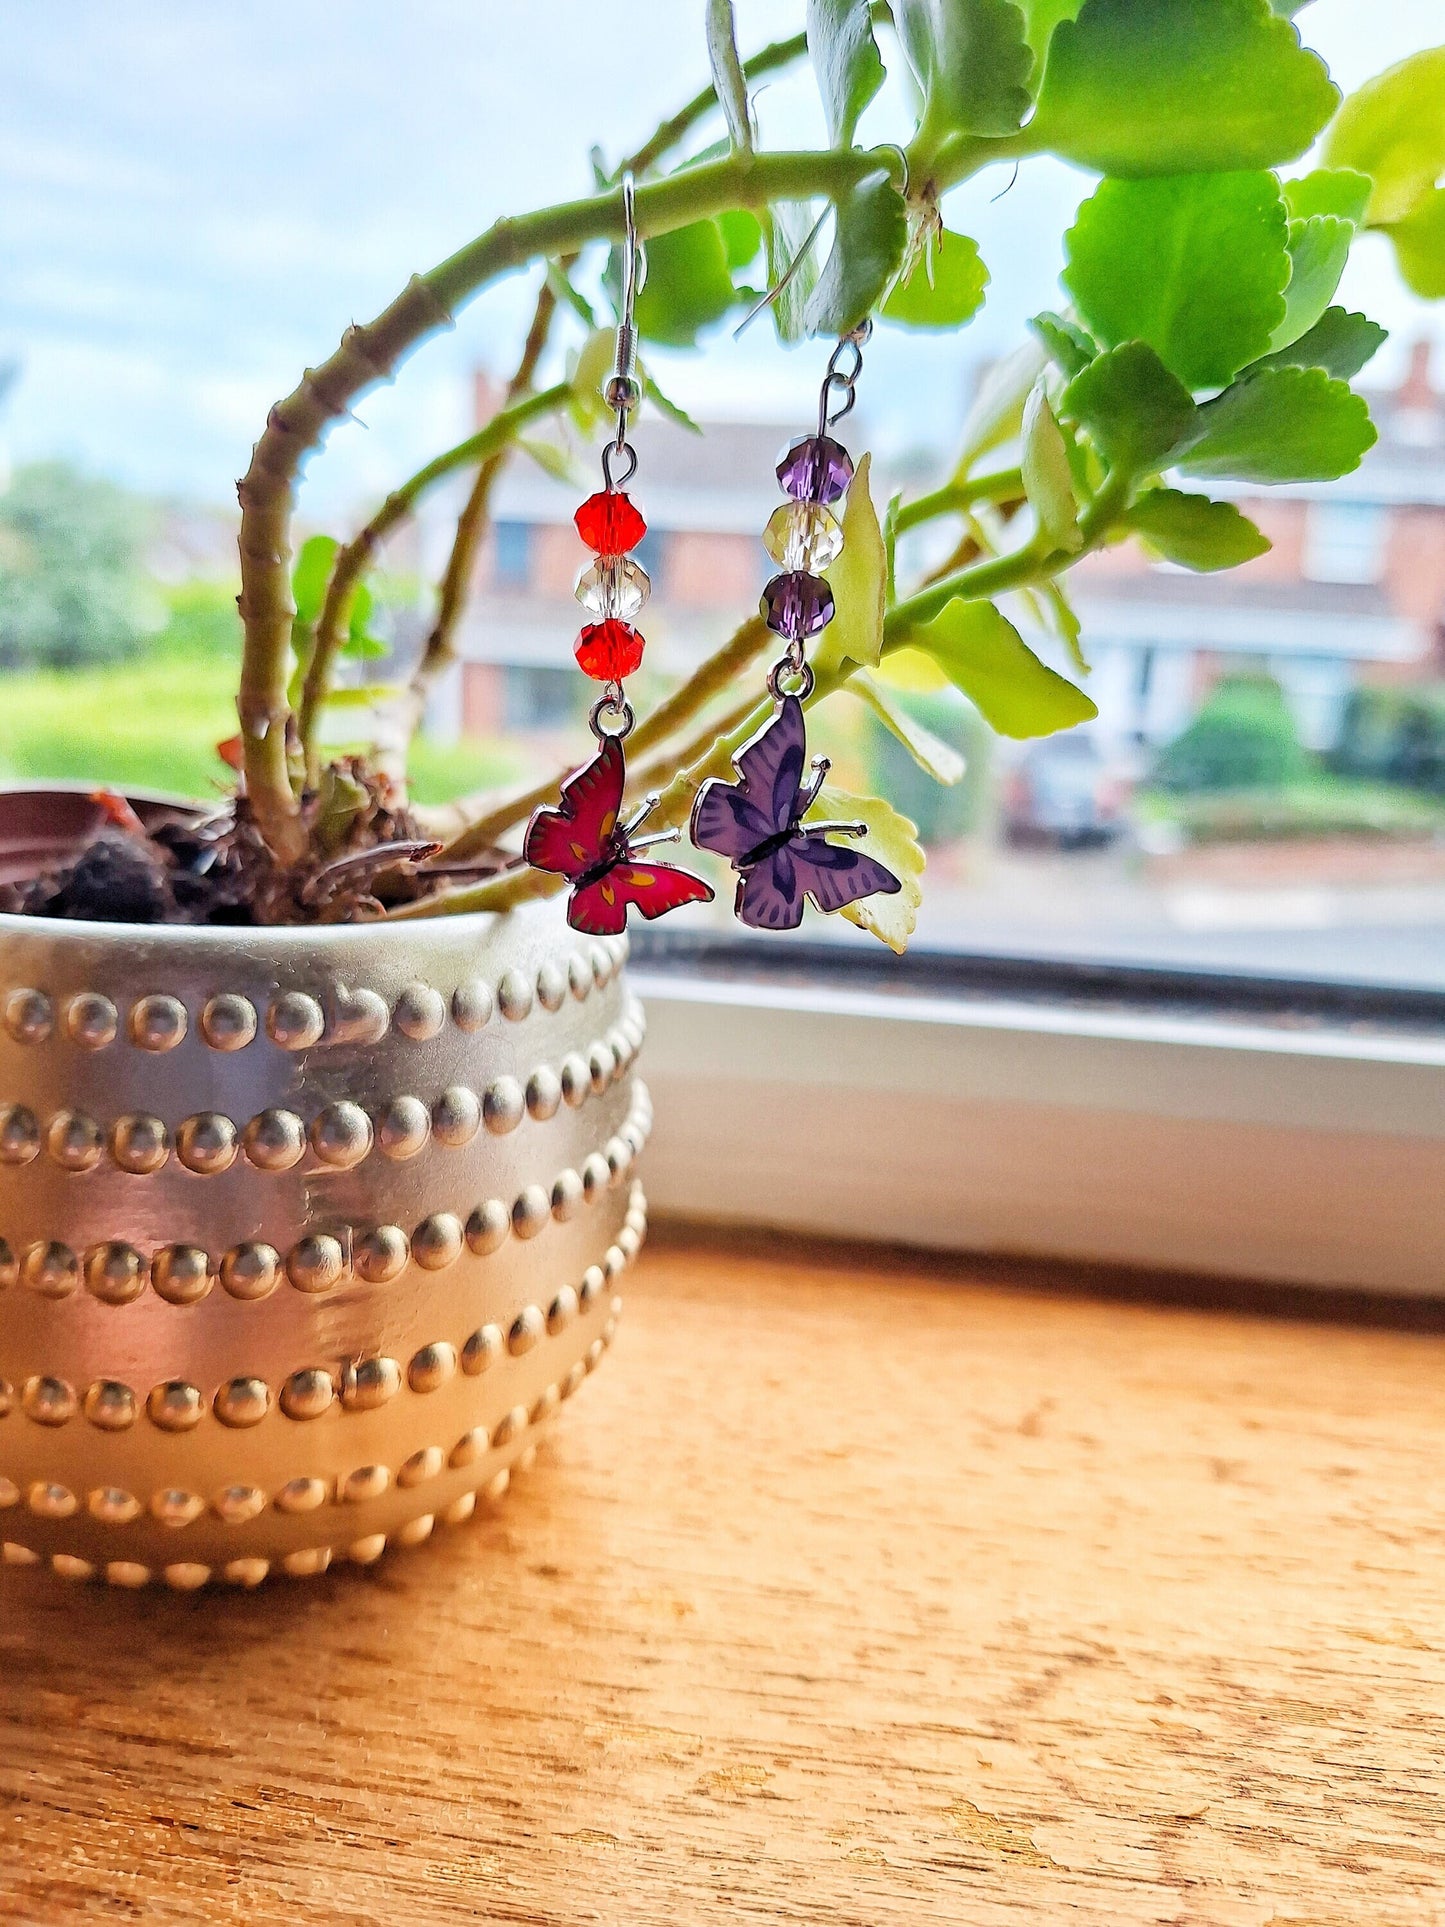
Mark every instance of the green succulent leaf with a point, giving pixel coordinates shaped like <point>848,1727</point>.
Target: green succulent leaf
<point>1340,342</point>
<point>945,288</point>
<point>1329,190</point>
<point>791,230</point>
<point>742,237</point>
<point>933,756</point>
<point>981,653</point>
<point>1194,264</point>
<point>1040,19</point>
<point>858,577</point>
<point>846,61</point>
<point>972,63</point>
<point>1193,531</point>
<point>1319,247</point>
<point>311,575</point>
<point>1048,478</point>
<point>1281,425</point>
<point>1060,615</point>
<point>1393,130</point>
<point>665,405</point>
<point>569,295</point>
<point>727,72</point>
<point>1175,86</point>
<point>588,369</point>
<point>1135,410</point>
<point>894,841</point>
<point>560,463</point>
<point>688,286</point>
<point>996,412</point>
<point>1420,245</point>
<point>1067,345</point>
<point>869,237</point>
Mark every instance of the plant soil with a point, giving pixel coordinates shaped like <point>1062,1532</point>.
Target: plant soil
<point>212,866</point>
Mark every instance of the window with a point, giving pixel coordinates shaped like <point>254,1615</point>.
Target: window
<point>1345,541</point>
<point>512,555</point>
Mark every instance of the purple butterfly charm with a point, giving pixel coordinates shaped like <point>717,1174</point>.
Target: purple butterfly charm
<point>757,823</point>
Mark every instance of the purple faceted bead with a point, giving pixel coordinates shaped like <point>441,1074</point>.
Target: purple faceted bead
<point>797,605</point>
<point>815,468</point>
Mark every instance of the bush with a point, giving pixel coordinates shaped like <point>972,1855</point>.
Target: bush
<point>71,587</point>
<point>1244,738</point>
<point>1395,736</point>
<point>1321,807</point>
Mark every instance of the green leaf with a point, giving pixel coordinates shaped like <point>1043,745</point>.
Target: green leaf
<point>364,648</point>
<point>982,654</point>
<point>742,237</point>
<point>1136,411</point>
<point>1067,345</point>
<point>1060,615</point>
<point>890,547</point>
<point>894,841</point>
<point>1177,86</point>
<point>1340,342</point>
<point>1420,246</point>
<point>364,696</point>
<point>945,288</point>
<point>1393,129</point>
<point>972,64</point>
<point>869,237</point>
<point>858,576</point>
<point>1318,250</point>
<point>791,230</point>
<point>933,756</point>
<point>1193,531</point>
<point>1194,264</point>
<point>1281,425</point>
<point>727,72</point>
<point>1329,190</point>
<point>569,295</point>
<point>560,463</point>
<point>845,59</point>
<point>1048,479</point>
<point>688,286</point>
<point>311,575</point>
<point>1040,19</point>
<point>588,369</point>
<point>996,412</point>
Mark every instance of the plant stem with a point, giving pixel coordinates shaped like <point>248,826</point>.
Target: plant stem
<point>1004,484</point>
<point>370,353</point>
<point>487,444</point>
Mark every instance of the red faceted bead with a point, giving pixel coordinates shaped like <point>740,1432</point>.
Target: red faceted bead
<point>608,523</point>
<point>610,650</point>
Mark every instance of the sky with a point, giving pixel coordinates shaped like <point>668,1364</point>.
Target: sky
<point>195,199</point>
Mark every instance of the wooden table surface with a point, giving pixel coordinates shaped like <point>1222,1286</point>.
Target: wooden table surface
<point>843,1594</point>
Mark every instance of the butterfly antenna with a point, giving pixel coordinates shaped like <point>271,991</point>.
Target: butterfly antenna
<point>836,829</point>
<point>640,815</point>
<point>637,843</point>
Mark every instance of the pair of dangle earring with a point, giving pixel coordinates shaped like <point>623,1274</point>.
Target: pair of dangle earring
<point>587,840</point>
<point>757,822</point>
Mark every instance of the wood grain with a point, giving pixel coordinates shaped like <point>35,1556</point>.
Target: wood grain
<point>842,1595</point>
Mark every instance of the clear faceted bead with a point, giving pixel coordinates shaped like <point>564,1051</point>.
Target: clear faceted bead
<point>802,535</point>
<point>613,588</point>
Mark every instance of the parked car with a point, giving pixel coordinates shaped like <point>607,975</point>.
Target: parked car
<point>1065,790</point>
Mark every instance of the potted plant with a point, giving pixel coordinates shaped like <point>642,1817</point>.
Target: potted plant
<point>317,1167</point>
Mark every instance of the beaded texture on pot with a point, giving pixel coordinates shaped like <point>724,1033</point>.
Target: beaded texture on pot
<point>304,1236</point>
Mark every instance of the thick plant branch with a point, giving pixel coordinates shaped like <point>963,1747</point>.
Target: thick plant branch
<point>488,444</point>
<point>369,354</point>
<point>1004,485</point>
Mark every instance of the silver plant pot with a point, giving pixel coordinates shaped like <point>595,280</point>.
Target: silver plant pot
<point>306,1232</point>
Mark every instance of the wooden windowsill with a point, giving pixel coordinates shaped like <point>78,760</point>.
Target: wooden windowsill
<point>846,1593</point>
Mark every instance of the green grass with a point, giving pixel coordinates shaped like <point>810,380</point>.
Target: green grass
<point>153,721</point>
<point>1320,804</point>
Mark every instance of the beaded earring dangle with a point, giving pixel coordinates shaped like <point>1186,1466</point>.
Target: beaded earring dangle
<point>587,840</point>
<point>757,823</point>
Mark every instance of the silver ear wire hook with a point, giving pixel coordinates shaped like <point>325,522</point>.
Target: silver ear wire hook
<point>623,391</point>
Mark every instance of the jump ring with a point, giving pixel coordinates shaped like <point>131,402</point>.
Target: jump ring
<point>783,671</point>
<point>618,707</point>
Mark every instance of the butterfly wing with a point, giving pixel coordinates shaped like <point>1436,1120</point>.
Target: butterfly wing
<point>833,875</point>
<point>770,767</point>
<point>770,895</point>
<point>575,838</point>
<point>600,907</point>
<point>727,821</point>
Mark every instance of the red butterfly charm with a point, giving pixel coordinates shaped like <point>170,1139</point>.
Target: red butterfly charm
<point>587,842</point>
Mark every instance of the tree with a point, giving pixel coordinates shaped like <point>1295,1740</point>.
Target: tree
<point>70,570</point>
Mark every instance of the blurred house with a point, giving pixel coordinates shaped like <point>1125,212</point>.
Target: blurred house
<point>1353,589</point>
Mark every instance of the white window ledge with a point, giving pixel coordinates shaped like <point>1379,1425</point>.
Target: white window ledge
<point>1138,1137</point>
